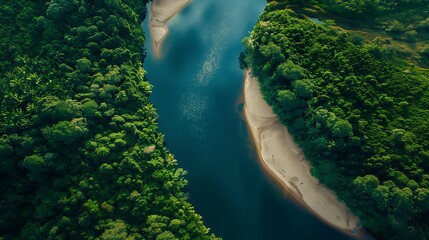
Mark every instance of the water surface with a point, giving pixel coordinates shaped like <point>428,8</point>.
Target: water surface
<point>197,88</point>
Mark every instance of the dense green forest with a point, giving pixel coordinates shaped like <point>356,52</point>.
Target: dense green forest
<point>360,114</point>
<point>401,26</point>
<point>393,15</point>
<point>80,151</point>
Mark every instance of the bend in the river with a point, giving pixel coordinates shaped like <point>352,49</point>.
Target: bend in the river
<point>197,88</point>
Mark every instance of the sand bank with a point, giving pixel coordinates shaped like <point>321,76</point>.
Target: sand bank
<point>161,11</point>
<point>281,157</point>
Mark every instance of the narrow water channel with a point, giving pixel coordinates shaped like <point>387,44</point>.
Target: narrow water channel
<point>197,88</point>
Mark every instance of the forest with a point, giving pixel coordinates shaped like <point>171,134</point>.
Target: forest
<point>359,111</point>
<point>81,153</point>
<point>400,26</point>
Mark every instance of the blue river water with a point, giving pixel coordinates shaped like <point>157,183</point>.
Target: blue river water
<point>197,91</point>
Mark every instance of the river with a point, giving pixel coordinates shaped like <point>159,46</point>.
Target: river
<point>197,91</point>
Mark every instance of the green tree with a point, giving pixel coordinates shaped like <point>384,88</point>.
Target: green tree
<point>290,71</point>
<point>115,230</point>
<point>83,65</point>
<point>66,132</point>
<point>34,163</point>
<point>303,88</point>
<point>342,128</point>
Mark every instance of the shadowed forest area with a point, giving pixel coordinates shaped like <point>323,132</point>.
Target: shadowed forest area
<point>400,28</point>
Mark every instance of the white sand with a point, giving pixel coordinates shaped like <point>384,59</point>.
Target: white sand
<point>161,11</point>
<point>283,159</point>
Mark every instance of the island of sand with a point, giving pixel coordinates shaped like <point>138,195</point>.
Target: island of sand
<point>161,11</point>
<point>284,160</point>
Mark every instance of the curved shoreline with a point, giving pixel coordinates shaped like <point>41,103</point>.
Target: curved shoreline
<point>161,11</point>
<point>287,166</point>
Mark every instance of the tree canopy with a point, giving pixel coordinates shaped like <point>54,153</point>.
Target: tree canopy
<point>80,149</point>
<point>360,116</point>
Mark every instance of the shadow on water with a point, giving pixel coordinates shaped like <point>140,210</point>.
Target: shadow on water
<point>197,84</point>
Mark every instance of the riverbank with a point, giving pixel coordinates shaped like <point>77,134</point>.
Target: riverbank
<point>284,160</point>
<point>161,11</point>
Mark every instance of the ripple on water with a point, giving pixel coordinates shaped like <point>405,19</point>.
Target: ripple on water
<point>192,107</point>
<point>193,104</point>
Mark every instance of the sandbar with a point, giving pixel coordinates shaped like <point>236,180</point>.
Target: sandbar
<point>284,160</point>
<point>161,11</point>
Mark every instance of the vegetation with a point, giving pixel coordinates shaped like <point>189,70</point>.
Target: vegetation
<point>80,149</point>
<point>394,16</point>
<point>359,113</point>
<point>402,25</point>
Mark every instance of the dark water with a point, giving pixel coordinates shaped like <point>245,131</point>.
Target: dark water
<point>197,86</point>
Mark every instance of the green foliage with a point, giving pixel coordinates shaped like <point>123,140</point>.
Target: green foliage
<point>66,132</point>
<point>116,230</point>
<point>89,108</point>
<point>288,99</point>
<point>368,9</point>
<point>396,27</point>
<point>424,56</point>
<point>290,71</point>
<point>167,235</point>
<point>80,151</point>
<point>33,163</point>
<point>83,65</point>
<point>342,128</point>
<point>303,88</point>
<point>59,8</point>
<point>360,117</point>
<point>404,21</point>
